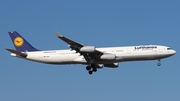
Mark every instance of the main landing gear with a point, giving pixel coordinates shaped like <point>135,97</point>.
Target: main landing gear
<point>159,63</point>
<point>91,68</point>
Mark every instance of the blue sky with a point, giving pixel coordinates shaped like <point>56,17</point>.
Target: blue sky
<point>96,22</point>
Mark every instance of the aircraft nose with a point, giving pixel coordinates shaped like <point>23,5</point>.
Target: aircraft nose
<point>173,52</point>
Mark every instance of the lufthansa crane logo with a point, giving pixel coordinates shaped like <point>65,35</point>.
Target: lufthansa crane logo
<point>18,41</point>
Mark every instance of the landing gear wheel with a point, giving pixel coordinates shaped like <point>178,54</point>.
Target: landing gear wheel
<point>159,64</point>
<point>88,68</point>
<point>94,69</point>
<point>91,68</point>
<point>90,72</point>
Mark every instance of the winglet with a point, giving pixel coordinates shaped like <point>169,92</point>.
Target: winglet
<point>16,52</point>
<point>59,35</point>
<point>68,41</point>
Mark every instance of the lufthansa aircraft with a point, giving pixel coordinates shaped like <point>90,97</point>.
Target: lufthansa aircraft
<point>91,56</point>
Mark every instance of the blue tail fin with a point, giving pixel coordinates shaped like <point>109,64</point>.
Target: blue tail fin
<point>20,43</point>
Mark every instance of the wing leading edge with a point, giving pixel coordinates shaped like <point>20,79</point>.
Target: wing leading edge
<point>73,45</point>
<point>89,52</point>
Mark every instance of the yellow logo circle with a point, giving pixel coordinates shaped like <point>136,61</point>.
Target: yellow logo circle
<point>18,41</point>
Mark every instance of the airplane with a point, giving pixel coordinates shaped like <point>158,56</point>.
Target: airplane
<point>94,58</point>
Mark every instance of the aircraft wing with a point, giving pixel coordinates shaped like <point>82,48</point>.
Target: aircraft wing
<point>89,52</point>
<point>73,45</point>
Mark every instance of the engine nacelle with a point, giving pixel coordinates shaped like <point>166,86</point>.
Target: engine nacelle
<point>88,49</point>
<point>108,57</point>
<point>112,65</point>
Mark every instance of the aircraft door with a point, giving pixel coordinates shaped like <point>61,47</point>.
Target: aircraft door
<point>159,51</point>
<point>128,51</point>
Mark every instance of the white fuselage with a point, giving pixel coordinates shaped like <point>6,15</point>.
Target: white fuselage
<point>127,53</point>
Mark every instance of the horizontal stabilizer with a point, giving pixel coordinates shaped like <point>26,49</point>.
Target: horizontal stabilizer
<point>16,52</point>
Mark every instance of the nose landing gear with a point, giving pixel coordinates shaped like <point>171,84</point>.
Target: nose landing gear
<point>159,63</point>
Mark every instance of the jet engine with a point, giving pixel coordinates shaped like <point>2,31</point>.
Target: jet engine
<point>112,65</point>
<point>88,49</point>
<point>108,57</point>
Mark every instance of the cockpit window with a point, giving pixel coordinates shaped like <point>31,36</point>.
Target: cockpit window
<point>169,48</point>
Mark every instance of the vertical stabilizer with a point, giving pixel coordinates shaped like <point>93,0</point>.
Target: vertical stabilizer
<point>20,43</point>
